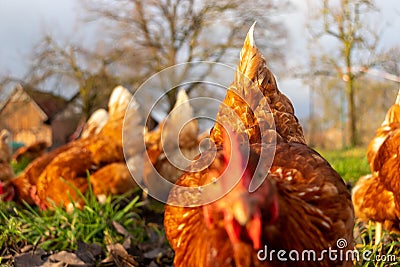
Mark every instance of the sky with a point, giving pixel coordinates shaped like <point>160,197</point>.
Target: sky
<point>23,22</point>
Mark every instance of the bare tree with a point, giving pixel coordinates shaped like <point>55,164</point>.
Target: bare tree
<point>392,64</point>
<point>70,67</point>
<point>90,70</point>
<point>372,104</point>
<point>136,39</point>
<point>162,33</point>
<point>347,47</point>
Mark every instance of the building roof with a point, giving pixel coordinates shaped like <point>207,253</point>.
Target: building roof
<point>49,103</point>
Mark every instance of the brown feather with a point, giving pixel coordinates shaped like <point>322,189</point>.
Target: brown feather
<point>373,202</point>
<point>253,97</point>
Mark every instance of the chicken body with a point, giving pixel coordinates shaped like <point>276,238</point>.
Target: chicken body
<point>171,147</point>
<point>301,203</point>
<point>31,152</point>
<point>376,197</point>
<point>6,172</point>
<point>372,201</point>
<point>119,179</point>
<point>95,123</point>
<point>25,183</point>
<point>299,211</point>
<point>384,149</point>
<point>54,178</point>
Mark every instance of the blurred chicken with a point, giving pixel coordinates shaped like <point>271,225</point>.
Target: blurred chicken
<point>95,123</point>
<point>383,149</point>
<point>302,204</point>
<point>53,178</point>
<point>31,152</point>
<point>118,180</point>
<point>372,201</point>
<point>25,183</point>
<point>6,172</point>
<point>171,147</point>
<point>376,197</point>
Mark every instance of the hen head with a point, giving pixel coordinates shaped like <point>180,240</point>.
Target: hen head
<point>240,212</point>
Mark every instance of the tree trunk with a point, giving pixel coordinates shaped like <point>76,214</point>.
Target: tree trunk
<point>352,112</point>
<point>352,116</point>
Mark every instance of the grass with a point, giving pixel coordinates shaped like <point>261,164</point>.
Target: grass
<point>351,164</point>
<point>59,230</point>
<point>387,253</point>
<point>18,167</point>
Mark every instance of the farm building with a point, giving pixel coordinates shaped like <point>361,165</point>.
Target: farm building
<point>31,115</point>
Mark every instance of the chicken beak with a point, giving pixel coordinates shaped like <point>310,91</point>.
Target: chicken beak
<point>244,216</point>
<point>242,211</point>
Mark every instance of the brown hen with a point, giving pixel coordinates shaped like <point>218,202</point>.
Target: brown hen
<point>95,123</point>
<point>54,178</point>
<point>373,202</point>
<point>171,147</point>
<point>383,150</point>
<point>30,152</point>
<point>375,197</point>
<point>118,180</point>
<point>6,172</point>
<point>302,204</point>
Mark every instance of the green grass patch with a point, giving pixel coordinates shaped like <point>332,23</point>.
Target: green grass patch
<point>18,167</point>
<point>386,253</point>
<point>351,164</point>
<point>61,230</point>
